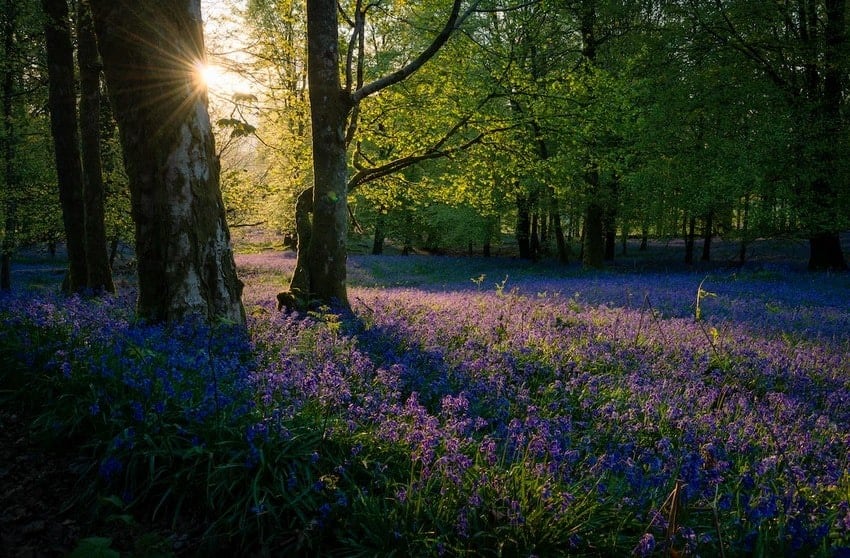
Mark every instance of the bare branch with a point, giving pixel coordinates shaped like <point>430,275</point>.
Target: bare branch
<point>434,152</point>
<point>454,21</point>
<point>501,10</point>
<point>344,15</point>
<point>357,25</point>
<point>736,41</point>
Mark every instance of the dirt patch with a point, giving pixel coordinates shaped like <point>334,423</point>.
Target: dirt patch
<point>36,489</point>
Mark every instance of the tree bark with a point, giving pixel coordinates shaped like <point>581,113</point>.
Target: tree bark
<point>299,286</point>
<point>185,261</point>
<point>611,193</point>
<point>825,253</point>
<point>706,236</point>
<point>745,230</point>
<point>560,241</point>
<point>534,239</point>
<point>594,237</point>
<point>689,226</point>
<point>491,230</point>
<point>523,226</point>
<point>610,240</point>
<point>63,124</point>
<point>380,234</point>
<point>824,242</point>
<point>10,182</point>
<point>99,275</point>
<point>593,246</point>
<point>329,110</point>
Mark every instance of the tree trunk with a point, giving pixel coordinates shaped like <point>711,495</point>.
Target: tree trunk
<point>593,252</point>
<point>185,261</point>
<point>545,229</point>
<point>491,229</point>
<point>380,234</point>
<point>611,195</point>
<point>10,182</point>
<point>560,241</point>
<point>66,144</point>
<point>644,237</point>
<point>744,219</point>
<point>113,251</point>
<point>407,241</point>
<point>534,239</point>
<point>523,226</point>
<point>299,286</point>
<point>99,276</point>
<point>5,271</point>
<point>825,253</point>
<point>594,238</point>
<point>706,236</point>
<point>690,230</point>
<point>330,107</point>
<point>610,241</point>
<point>298,295</point>
<point>825,246</point>
<point>593,245</point>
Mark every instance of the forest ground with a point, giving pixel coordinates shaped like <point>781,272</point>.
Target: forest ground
<point>38,518</point>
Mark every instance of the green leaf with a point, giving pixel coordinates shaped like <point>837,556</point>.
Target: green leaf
<point>94,547</point>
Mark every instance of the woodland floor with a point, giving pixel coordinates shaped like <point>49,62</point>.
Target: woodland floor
<point>38,518</point>
<point>35,486</point>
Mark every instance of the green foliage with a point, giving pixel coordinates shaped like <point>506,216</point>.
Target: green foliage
<point>94,547</point>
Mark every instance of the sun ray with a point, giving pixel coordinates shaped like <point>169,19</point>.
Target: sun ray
<point>211,76</point>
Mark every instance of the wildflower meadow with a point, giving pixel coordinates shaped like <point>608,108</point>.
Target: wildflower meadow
<point>463,407</point>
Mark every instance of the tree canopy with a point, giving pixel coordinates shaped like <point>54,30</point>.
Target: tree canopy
<point>443,125</point>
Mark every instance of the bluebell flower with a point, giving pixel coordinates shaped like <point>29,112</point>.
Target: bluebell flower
<point>109,468</point>
<point>645,546</point>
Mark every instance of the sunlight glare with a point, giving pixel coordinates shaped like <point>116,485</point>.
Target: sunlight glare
<point>211,76</point>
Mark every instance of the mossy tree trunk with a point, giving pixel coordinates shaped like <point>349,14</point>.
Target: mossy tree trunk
<point>299,286</point>
<point>330,108</point>
<point>62,101</point>
<point>185,260</point>
<point>99,275</point>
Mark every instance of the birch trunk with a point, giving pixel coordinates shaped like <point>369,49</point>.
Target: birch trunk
<point>185,261</point>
